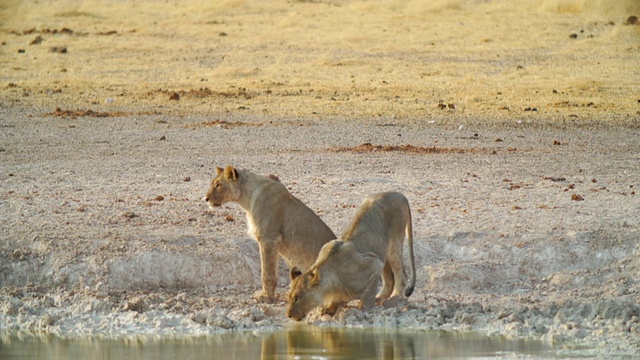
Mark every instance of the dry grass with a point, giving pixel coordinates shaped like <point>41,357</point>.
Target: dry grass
<point>322,59</point>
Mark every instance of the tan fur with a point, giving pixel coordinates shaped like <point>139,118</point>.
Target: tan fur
<point>279,222</point>
<point>350,267</point>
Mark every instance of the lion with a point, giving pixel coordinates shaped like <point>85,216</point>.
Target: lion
<point>350,267</point>
<point>278,221</point>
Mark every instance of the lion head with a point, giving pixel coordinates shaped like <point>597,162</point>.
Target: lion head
<point>224,187</point>
<point>304,295</point>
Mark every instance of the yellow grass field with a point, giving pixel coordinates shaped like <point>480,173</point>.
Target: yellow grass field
<point>495,60</point>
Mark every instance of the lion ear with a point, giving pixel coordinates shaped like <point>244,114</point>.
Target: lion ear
<point>314,280</point>
<point>230,173</point>
<point>295,273</point>
<point>219,170</point>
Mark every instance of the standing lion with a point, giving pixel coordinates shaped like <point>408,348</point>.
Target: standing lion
<point>278,221</point>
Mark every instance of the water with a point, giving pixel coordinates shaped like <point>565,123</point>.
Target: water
<point>296,342</point>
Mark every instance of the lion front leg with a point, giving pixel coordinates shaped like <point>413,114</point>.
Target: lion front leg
<point>331,309</point>
<point>368,298</point>
<point>269,271</point>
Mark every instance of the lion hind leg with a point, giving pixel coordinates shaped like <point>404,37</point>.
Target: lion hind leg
<point>395,263</point>
<point>387,284</point>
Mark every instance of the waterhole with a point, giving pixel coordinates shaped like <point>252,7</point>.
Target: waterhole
<point>294,342</point>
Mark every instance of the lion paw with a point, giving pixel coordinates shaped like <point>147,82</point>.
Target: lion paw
<point>263,297</point>
<point>331,309</point>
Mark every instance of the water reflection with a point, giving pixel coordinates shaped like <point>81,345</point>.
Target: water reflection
<point>341,343</point>
<point>296,342</point>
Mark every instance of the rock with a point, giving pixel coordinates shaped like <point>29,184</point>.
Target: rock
<point>353,316</point>
<point>129,214</point>
<point>220,320</point>
<point>137,304</point>
<point>46,320</point>
<point>48,301</point>
<point>199,317</point>
<point>465,318</point>
<point>256,314</point>
<point>37,40</point>
<point>11,308</point>
<point>58,50</point>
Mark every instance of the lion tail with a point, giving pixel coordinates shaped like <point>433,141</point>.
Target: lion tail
<point>409,234</point>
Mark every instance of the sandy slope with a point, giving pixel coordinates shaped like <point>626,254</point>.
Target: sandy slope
<point>526,216</point>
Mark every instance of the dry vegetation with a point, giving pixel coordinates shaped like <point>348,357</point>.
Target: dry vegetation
<point>560,60</point>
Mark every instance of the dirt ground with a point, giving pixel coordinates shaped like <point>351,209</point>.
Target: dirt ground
<point>513,128</point>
